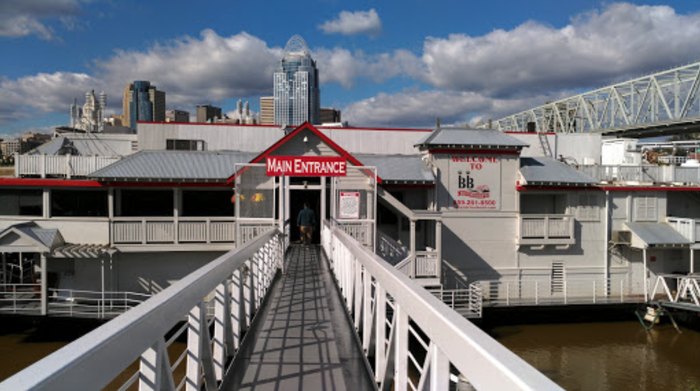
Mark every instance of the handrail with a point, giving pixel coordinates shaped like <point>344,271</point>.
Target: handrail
<point>93,360</point>
<point>453,339</point>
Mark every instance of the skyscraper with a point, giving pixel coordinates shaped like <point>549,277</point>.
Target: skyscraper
<point>297,96</point>
<point>143,102</point>
<point>208,113</point>
<point>267,110</point>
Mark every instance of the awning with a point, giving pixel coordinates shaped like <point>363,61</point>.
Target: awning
<point>31,238</point>
<point>656,235</point>
<point>72,250</point>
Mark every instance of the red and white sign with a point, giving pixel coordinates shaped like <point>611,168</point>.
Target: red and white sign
<point>306,166</point>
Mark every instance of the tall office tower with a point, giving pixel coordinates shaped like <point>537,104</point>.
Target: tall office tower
<point>267,110</point>
<point>208,113</point>
<point>297,96</point>
<point>175,115</point>
<point>143,102</point>
<point>329,115</point>
<point>89,117</point>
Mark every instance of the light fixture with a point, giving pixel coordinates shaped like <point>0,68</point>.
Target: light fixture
<point>306,139</point>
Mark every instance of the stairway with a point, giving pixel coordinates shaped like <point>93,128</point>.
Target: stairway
<point>544,143</point>
<point>557,277</point>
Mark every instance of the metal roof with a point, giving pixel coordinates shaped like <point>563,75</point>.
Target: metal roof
<point>657,234</point>
<point>545,170</point>
<point>175,165</point>
<point>84,145</point>
<point>47,237</point>
<point>399,168</point>
<point>477,138</point>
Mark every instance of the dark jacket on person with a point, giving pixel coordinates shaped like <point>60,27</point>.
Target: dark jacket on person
<point>306,217</point>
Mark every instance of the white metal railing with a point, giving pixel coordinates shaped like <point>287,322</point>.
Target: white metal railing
<point>239,281</point>
<point>389,249</point>
<point>360,230</point>
<point>467,302</point>
<point>411,332</point>
<point>642,173</point>
<point>250,229</point>
<point>548,292</point>
<point>546,229</point>
<point>166,230</point>
<point>685,226</point>
<point>423,265</point>
<point>26,299</point>
<point>682,289</point>
<point>60,165</point>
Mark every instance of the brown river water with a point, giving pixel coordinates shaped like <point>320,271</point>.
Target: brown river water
<point>608,356</point>
<point>578,356</point>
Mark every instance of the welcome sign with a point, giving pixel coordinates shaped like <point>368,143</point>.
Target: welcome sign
<point>475,181</point>
<point>306,166</point>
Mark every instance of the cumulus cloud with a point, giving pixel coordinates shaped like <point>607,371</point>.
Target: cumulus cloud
<point>44,92</point>
<point>353,23</point>
<point>421,108</point>
<point>208,68</point>
<point>342,66</point>
<point>28,17</point>
<point>594,49</point>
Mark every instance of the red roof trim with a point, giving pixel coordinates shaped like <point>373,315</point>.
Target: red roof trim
<point>532,133</point>
<point>208,124</point>
<point>479,151</point>
<point>37,182</point>
<point>524,188</point>
<point>305,126</point>
<point>169,184</point>
<point>375,129</point>
<point>650,188</point>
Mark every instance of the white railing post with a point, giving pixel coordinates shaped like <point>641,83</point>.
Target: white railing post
<point>508,293</point>
<point>154,369</point>
<point>400,348</point>
<point>223,332</point>
<point>199,357</point>
<point>366,312</point>
<point>380,333</point>
<point>439,369</point>
<point>537,288</point>
<point>594,291</point>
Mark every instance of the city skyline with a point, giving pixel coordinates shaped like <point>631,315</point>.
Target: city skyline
<point>400,64</point>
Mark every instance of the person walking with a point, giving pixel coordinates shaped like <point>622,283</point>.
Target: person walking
<point>306,220</point>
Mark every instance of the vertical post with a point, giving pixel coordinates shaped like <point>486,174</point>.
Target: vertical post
<point>366,312</point>
<point>44,284</point>
<point>692,259</point>
<point>439,369</point>
<point>177,206</point>
<point>42,166</point>
<point>606,240</point>
<point>644,280</point>
<point>101,308</point>
<point>380,333</point>
<point>237,308</point>
<point>223,332</point>
<point>199,357</point>
<point>154,368</point>
<point>413,248</point>
<point>46,203</point>
<point>438,248</point>
<point>400,348</point>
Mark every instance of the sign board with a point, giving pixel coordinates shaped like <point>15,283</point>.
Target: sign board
<point>475,181</point>
<point>349,205</point>
<point>306,166</point>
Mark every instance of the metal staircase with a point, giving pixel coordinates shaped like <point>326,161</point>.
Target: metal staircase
<point>544,143</point>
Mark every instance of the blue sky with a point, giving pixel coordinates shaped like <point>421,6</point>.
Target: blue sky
<point>384,63</point>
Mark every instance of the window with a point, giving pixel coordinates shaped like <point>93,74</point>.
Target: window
<point>79,203</point>
<point>207,203</point>
<point>145,203</point>
<point>645,208</point>
<point>184,145</point>
<point>587,206</point>
<point>21,202</point>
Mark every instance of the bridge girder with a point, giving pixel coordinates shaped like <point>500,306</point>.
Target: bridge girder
<point>662,103</point>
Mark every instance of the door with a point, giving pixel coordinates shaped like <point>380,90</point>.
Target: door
<point>255,201</point>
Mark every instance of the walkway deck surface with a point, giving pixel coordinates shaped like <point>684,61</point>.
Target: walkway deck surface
<point>306,341</point>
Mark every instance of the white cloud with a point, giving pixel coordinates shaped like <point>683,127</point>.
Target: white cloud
<point>352,23</point>
<point>594,49</point>
<point>422,108</point>
<point>28,17</point>
<point>344,67</point>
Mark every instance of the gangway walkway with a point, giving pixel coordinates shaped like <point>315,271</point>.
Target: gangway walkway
<point>306,340</point>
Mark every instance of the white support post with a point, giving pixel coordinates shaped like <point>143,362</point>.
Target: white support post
<point>644,279</point>
<point>438,248</point>
<point>199,357</point>
<point>154,369</point>
<point>177,207</point>
<point>413,249</point>
<point>44,284</point>
<point>358,294</point>
<point>366,312</point>
<point>439,369</point>
<point>237,308</point>
<point>223,332</point>
<point>380,333</point>
<point>400,349</point>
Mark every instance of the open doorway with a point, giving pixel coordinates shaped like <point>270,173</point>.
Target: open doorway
<point>296,204</point>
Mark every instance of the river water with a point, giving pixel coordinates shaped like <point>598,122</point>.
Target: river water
<point>608,356</point>
<point>578,356</point>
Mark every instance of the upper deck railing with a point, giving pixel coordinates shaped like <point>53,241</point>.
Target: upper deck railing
<point>409,331</point>
<point>67,166</point>
<point>238,282</point>
<point>646,173</point>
